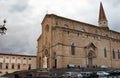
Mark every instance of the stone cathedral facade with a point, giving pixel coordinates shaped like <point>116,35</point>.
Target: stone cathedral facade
<point>65,41</point>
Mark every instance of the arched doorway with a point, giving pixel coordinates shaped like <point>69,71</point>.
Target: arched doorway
<point>46,59</point>
<point>45,63</point>
<point>55,63</point>
<point>91,59</point>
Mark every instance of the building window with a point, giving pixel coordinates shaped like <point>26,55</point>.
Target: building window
<point>13,66</point>
<point>113,54</point>
<point>18,66</point>
<point>7,65</point>
<point>118,54</point>
<point>24,66</point>
<point>72,49</point>
<point>47,28</point>
<point>29,67</point>
<point>29,58</point>
<point>0,65</point>
<point>13,57</point>
<point>105,52</point>
<point>18,57</point>
<point>65,26</point>
<point>7,57</point>
<point>1,56</point>
<point>82,30</point>
<point>24,58</point>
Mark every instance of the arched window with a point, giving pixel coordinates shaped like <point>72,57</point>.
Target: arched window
<point>72,49</point>
<point>105,52</point>
<point>65,26</point>
<point>118,54</point>
<point>47,28</point>
<point>7,65</point>
<point>113,54</point>
<point>29,67</point>
<point>18,66</point>
<point>13,66</point>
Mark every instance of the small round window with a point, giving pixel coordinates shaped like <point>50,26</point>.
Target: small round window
<point>65,26</point>
<point>47,28</point>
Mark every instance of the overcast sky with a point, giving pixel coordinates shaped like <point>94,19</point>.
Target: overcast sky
<point>24,19</point>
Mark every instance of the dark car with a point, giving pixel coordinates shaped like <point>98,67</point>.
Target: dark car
<point>112,72</point>
<point>86,74</point>
<point>117,72</point>
<point>70,74</point>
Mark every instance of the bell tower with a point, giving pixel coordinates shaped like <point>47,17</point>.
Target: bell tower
<point>102,21</point>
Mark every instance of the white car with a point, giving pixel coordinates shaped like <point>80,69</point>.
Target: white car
<point>103,67</point>
<point>79,75</point>
<point>102,73</point>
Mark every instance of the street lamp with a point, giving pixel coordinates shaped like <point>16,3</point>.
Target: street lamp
<point>3,28</point>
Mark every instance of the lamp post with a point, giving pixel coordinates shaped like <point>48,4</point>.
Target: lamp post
<point>3,28</point>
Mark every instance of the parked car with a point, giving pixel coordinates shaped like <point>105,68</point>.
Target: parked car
<point>86,74</point>
<point>112,72</point>
<point>117,72</point>
<point>102,73</point>
<point>81,67</point>
<point>70,74</point>
<point>79,75</point>
<point>103,67</point>
<point>70,66</point>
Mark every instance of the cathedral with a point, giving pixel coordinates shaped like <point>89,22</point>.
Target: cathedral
<point>66,41</point>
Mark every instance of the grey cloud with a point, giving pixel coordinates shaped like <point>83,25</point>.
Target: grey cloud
<point>18,8</point>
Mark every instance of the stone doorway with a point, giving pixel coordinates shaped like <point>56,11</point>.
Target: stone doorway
<point>55,63</point>
<point>45,63</point>
<point>91,59</point>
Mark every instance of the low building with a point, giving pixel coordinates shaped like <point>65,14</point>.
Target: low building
<point>14,62</point>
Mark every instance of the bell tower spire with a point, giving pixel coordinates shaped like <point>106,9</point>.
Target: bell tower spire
<point>102,18</point>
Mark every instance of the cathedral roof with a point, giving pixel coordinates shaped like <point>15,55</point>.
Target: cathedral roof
<point>102,15</point>
<point>48,15</point>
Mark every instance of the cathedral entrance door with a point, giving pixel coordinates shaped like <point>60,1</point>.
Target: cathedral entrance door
<point>90,60</point>
<point>55,63</point>
<point>45,62</point>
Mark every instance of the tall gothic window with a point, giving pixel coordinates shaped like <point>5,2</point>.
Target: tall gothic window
<point>113,54</point>
<point>105,52</point>
<point>47,28</point>
<point>118,54</point>
<point>72,49</point>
